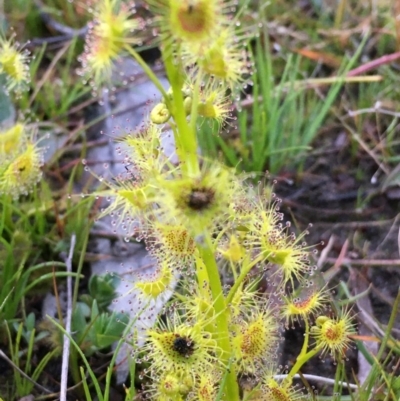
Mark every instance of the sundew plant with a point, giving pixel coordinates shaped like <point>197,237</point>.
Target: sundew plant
<point>213,234</point>
<point>204,224</point>
<point>20,154</point>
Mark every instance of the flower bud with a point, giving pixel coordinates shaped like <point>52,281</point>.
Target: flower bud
<point>160,114</point>
<point>187,103</point>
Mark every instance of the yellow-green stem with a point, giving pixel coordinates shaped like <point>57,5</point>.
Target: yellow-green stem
<point>306,338</point>
<point>300,361</point>
<point>185,135</point>
<point>186,142</point>
<point>303,357</point>
<point>202,277</point>
<point>195,103</point>
<point>207,253</point>
<point>243,273</point>
<point>153,77</point>
<point>6,216</point>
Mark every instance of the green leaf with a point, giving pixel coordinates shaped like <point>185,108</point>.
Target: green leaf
<point>107,329</point>
<point>79,315</point>
<point>396,386</point>
<point>30,322</point>
<point>102,289</point>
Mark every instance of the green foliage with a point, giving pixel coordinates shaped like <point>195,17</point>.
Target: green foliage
<point>93,326</point>
<point>54,89</point>
<point>17,279</point>
<point>106,328</point>
<point>95,331</point>
<point>283,120</point>
<point>101,290</point>
<point>105,394</point>
<point>22,349</point>
<point>396,386</point>
<point>71,14</point>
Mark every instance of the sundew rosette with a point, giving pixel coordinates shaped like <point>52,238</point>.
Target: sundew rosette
<point>200,201</point>
<point>225,58</point>
<point>168,387</point>
<point>333,335</point>
<point>171,244</point>
<point>306,306</point>
<point>274,243</point>
<point>11,141</point>
<point>208,230</point>
<point>206,387</point>
<point>114,25</point>
<point>131,195</point>
<point>142,150</point>
<point>190,22</point>
<point>273,390</point>
<point>19,175</point>
<point>255,340</point>
<point>184,349</point>
<point>206,38</point>
<point>14,65</point>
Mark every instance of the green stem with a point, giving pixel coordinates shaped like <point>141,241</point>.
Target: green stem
<point>147,70</point>
<point>303,357</point>
<point>6,222</point>
<point>306,338</point>
<point>206,266</point>
<point>388,331</point>
<point>337,387</point>
<point>185,135</point>
<point>221,313</point>
<point>195,103</point>
<point>300,361</point>
<point>202,277</point>
<point>243,273</point>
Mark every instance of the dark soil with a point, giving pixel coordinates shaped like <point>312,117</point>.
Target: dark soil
<point>334,193</point>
